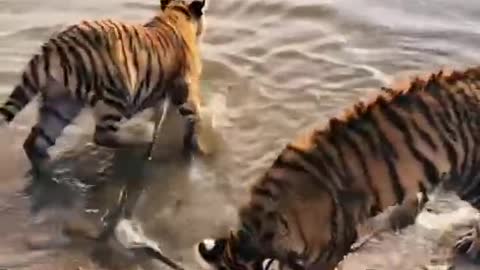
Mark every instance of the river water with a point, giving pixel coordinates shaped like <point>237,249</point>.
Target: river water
<point>271,69</point>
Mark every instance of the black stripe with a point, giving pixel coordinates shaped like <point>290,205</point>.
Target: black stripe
<point>120,33</point>
<point>135,55</point>
<point>336,139</point>
<point>148,74</point>
<point>89,75</point>
<point>468,119</point>
<point>424,136</point>
<point>77,66</point>
<point>45,136</point>
<point>115,93</point>
<point>57,114</point>
<point>359,127</point>
<point>160,76</point>
<point>19,95</point>
<point>34,70</point>
<point>386,147</point>
<point>106,128</point>
<point>124,51</point>
<point>46,50</point>
<point>263,192</point>
<point>7,114</point>
<point>313,158</point>
<point>430,171</point>
<point>366,172</point>
<point>331,248</point>
<point>183,10</point>
<point>14,103</point>
<point>115,104</point>
<point>281,162</point>
<point>93,99</point>
<point>153,99</point>
<point>104,59</point>
<point>138,94</point>
<point>406,103</point>
<point>94,65</point>
<point>137,40</point>
<point>64,62</point>
<point>389,156</point>
<point>132,42</point>
<point>111,117</point>
<point>331,166</point>
<point>457,109</point>
<point>449,148</point>
<point>445,117</point>
<point>28,84</point>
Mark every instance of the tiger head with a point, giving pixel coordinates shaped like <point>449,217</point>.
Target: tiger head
<point>232,253</point>
<point>192,9</point>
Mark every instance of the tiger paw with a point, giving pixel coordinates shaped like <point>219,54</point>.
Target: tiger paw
<point>204,137</point>
<point>361,241</point>
<point>469,243</point>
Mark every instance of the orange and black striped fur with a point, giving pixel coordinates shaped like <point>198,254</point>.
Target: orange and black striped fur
<point>115,68</point>
<point>304,210</point>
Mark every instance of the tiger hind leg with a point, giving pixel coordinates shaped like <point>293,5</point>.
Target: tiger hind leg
<point>111,132</point>
<point>55,113</point>
<point>192,118</point>
<point>107,120</point>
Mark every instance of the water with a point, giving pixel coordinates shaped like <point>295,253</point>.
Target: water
<point>272,69</point>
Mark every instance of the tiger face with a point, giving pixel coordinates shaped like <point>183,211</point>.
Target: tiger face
<point>193,10</point>
<point>230,254</point>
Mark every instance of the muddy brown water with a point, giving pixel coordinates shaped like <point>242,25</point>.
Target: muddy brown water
<point>272,69</point>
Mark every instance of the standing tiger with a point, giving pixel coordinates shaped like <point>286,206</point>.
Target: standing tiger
<point>304,210</point>
<point>117,69</point>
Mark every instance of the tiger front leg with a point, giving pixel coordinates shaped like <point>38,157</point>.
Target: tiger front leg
<point>192,121</point>
<point>184,94</point>
<point>199,135</point>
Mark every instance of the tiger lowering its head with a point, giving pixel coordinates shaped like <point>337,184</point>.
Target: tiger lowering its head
<point>303,212</point>
<point>117,69</point>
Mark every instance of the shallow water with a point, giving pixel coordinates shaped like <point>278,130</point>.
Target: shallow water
<point>272,68</point>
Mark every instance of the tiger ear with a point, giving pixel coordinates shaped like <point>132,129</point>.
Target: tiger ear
<point>164,3</point>
<point>196,8</point>
<point>209,251</point>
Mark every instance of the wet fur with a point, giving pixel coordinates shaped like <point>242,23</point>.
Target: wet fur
<point>118,69</point>
<point>304,210</point>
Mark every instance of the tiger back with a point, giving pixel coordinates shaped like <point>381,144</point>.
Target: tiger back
<point>305,209</point>
<point>117,69</point>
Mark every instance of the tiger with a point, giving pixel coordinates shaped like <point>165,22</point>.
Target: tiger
<point>117,70</point>
<point>392,150</point>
